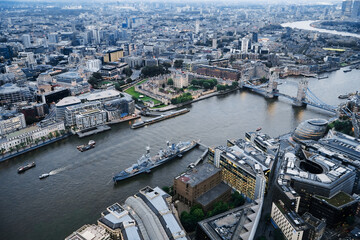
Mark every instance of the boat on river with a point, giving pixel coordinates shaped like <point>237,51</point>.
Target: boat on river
<point>146,163</point>
<point>45,175</point>
<point>26,167</point>
<point>82,148</point>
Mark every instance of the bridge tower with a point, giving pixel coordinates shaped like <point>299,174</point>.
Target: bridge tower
<point>271,89</point>
<point>301,93</point>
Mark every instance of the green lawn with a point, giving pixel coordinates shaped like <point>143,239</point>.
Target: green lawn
<point>136,94</point>
<point>104,82</point>
<point>159,106</point>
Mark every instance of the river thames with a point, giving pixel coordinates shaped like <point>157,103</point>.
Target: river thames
<point>81,186</point>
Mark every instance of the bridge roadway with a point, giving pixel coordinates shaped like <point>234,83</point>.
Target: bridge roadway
<point>294,99</point>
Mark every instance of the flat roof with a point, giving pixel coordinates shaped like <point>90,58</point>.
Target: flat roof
<point>213,194</point>
<point>68,101</point>
<point>337,200</point>
<point>198,174</point>
<point>102,95</point>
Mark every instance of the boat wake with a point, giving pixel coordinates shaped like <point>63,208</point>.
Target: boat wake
<point>59,170</point>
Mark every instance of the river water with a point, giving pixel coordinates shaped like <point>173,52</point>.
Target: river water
<point>81,186</point>
<point>306,25</point>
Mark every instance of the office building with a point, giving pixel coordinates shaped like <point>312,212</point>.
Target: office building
<point>63,104</point>
<point>134,61</point>
<point>72,110</point>
<point>11,122</point>
<point>11,93</point>
<point>90,118</point>
<point>113,55</point>
<point>243,167</point>
<point>93,65</point>
<point>314,175</point>
<point>119,108</point>
<point>334,209</point>
<point>289,222</point>
<point>90,232</point>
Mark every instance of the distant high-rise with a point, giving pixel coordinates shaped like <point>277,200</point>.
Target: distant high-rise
<point>96,36</point>
<point>346,7</point>
<point>244,44</point>
<point>214,43</point>
<point>255,37</point>
<point>355,11</point>
<point>197,27</point>
<point>53,38</point>
<point>26,40</point>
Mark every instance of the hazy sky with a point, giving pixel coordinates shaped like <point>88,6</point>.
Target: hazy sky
<point>190,1</point>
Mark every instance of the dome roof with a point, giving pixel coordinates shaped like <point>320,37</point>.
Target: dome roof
<point>312,129</point>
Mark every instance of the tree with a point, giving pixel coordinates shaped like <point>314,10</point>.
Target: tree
<point>129,80</point>
<point>122,82</point>
<point>170,82</point>
<point>194,82</point>
<point>234,85</point>
<point>152,71</point>
<point>178,63</point>
<point>128,72</point>
<point>166,65</point>
<point>117,86</point>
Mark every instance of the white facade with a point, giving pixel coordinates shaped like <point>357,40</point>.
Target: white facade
<point>29,134</point>
<point>12,124</point>
<point>244,45</point>
<point>91,118</point>
<point>197,27</point>
<point>284,223</point>
<point>93,65</point>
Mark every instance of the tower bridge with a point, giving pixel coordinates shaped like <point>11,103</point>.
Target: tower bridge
<point>304,95</point>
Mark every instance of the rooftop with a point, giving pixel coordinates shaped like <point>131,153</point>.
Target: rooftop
<point>198,174</point>
<point>337,200</point>
<point>237,223</point>
<point>89,232</point>
<point>103,95</point>
<point>67,101</point>
<point>213,194</point>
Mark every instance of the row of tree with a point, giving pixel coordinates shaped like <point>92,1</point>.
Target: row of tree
<point>204,83</point>
<point>185,97</point>
<point>227,87</point>
<point>152,71</point>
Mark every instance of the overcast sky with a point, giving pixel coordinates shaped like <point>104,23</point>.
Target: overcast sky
<point>190,1</point>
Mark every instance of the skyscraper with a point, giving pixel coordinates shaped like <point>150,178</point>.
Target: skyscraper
<point>346,7</point>
<point>26,40</point>
<point>244,44</point>
<point>355,11</point>
<point>96,36</point>
<point>197,27</point>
